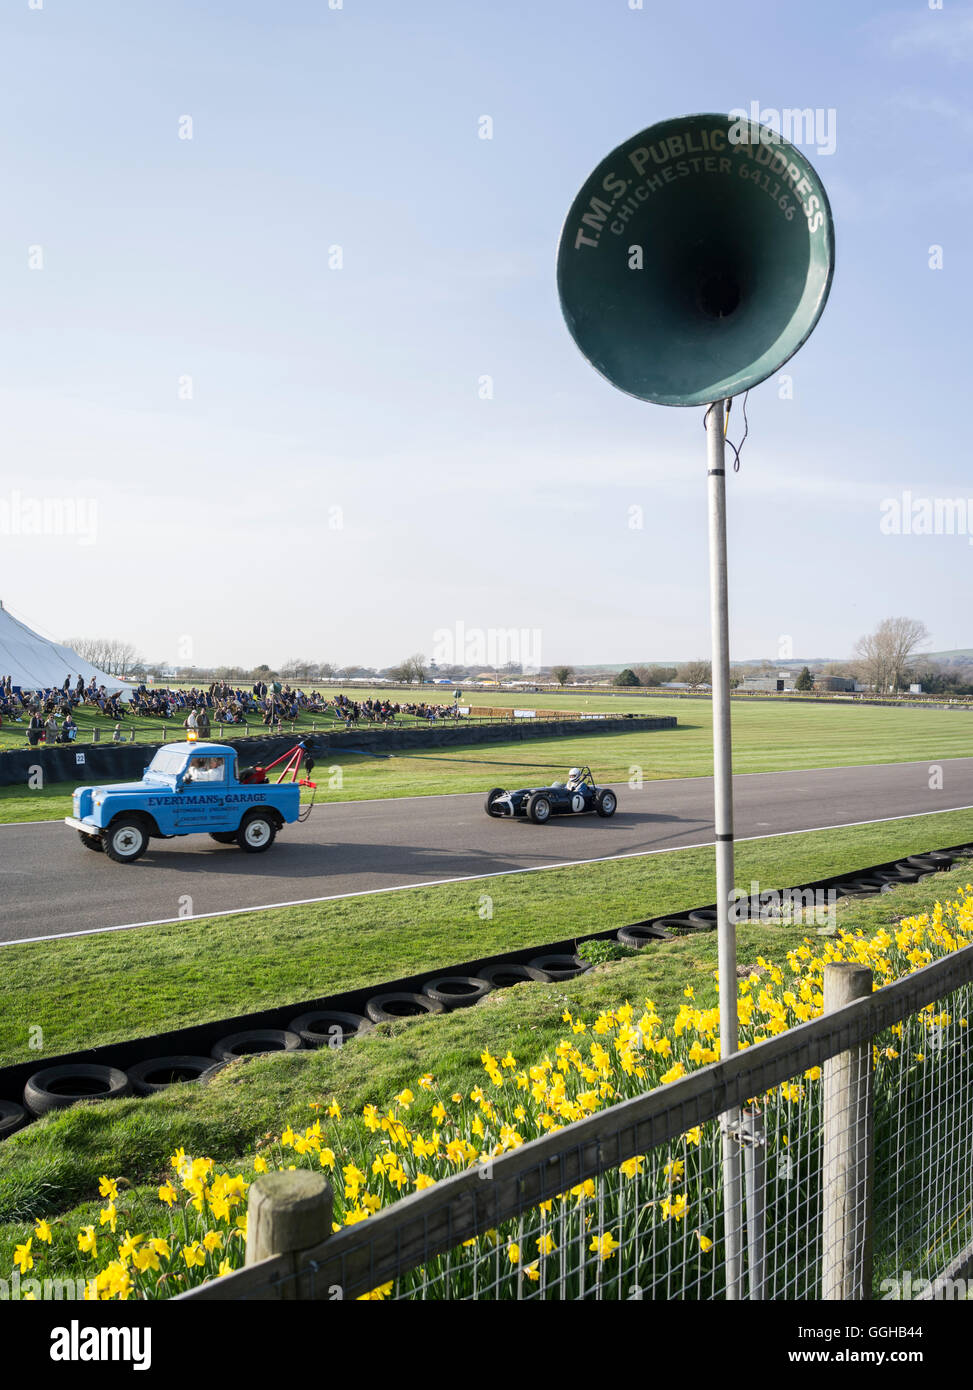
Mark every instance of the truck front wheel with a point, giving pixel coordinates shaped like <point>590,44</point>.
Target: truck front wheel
<point>126,840</point>
<point>257,833</point>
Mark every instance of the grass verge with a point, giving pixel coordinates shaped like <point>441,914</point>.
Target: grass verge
<point>52,1168</point>
<point>88,991</point>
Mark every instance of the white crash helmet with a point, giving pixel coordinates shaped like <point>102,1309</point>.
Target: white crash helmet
<point>575,772</point>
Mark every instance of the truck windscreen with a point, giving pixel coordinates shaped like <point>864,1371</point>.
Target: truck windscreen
<point>168,762</point>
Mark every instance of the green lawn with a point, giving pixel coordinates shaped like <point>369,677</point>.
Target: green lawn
<point>52,1167</point>
<point>766,738</point>
<point>87,991</point>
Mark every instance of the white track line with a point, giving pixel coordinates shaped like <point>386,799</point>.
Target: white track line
<point>652,782</point>
<point>468,878</point>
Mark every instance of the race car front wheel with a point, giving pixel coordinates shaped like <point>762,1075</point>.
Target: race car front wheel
<point>257,833</point>
<point>606,803</point>
<point>126,840</point>
<point>491,797</point>
<point>539,809</point>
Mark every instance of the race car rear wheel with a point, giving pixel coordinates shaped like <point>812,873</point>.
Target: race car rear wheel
<point>491,797</point>
<point>126,840</point>
<point>539,808</point>
<point>91,842</point>
<point>606,803</point>
<point>257,833</point>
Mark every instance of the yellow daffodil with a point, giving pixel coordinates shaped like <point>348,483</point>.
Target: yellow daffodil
<point>129,1245</point>
<point>674,1208</point>
<point>146,1258</point>
<point>376,1295</point>
<point>604,1246</point>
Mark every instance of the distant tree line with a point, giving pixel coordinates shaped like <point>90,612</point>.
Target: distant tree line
<point>887,660</point>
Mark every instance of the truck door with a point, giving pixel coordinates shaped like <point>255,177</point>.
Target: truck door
<point>201,803</point>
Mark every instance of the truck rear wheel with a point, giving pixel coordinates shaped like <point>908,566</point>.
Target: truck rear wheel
<point>257,832</point>
<point>126,840</point>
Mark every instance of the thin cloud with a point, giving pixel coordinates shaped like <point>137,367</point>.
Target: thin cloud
<point>938,33</point>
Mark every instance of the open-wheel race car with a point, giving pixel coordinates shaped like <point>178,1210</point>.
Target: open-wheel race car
<point>576,797</point>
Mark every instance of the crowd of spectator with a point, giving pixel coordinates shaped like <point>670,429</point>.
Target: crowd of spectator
<point>227,704</point>
<point>48,714</point>
<point>374,711</point>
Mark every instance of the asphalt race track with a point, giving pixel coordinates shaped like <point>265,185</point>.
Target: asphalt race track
<point>52,885</point>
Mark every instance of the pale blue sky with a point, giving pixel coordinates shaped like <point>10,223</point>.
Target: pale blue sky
<point>315,389</point>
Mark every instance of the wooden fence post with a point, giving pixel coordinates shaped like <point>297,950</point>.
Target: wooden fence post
<point>846,1149</point>
<point>288,1212</point>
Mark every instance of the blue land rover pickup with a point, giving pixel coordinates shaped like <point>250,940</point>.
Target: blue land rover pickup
<point>188,788</point>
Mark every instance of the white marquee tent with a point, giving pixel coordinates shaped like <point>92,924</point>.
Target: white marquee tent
<point>34,663</point>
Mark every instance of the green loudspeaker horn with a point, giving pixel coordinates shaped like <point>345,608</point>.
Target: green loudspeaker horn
<point>696,259</point>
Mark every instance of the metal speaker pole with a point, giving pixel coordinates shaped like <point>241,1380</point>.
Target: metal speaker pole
<point>696,259</point>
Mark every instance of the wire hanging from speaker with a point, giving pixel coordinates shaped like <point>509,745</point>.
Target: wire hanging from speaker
<point>726,423</point>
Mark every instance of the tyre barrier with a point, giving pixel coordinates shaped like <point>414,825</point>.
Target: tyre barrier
<point>897,874</point>
<point>254,1042</point>
<point>704,917</point>
<point>561,965</point>
<point>11,1117</point>
<point>328,1027</point>
<point>861,888</point>
<point>641,934</point>
<point>398,1004</point>
<point>159,1073</point>
<point>457,991</point>
<point>57,1087</point>
<point>509,973</point>
<point>76,1077</point>
<point>681,926</point>
<point>935,859</point>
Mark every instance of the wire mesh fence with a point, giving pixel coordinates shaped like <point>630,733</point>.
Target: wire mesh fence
<point>856,1131</point>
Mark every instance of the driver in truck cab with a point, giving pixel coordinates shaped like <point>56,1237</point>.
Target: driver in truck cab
<point>205,770</point>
